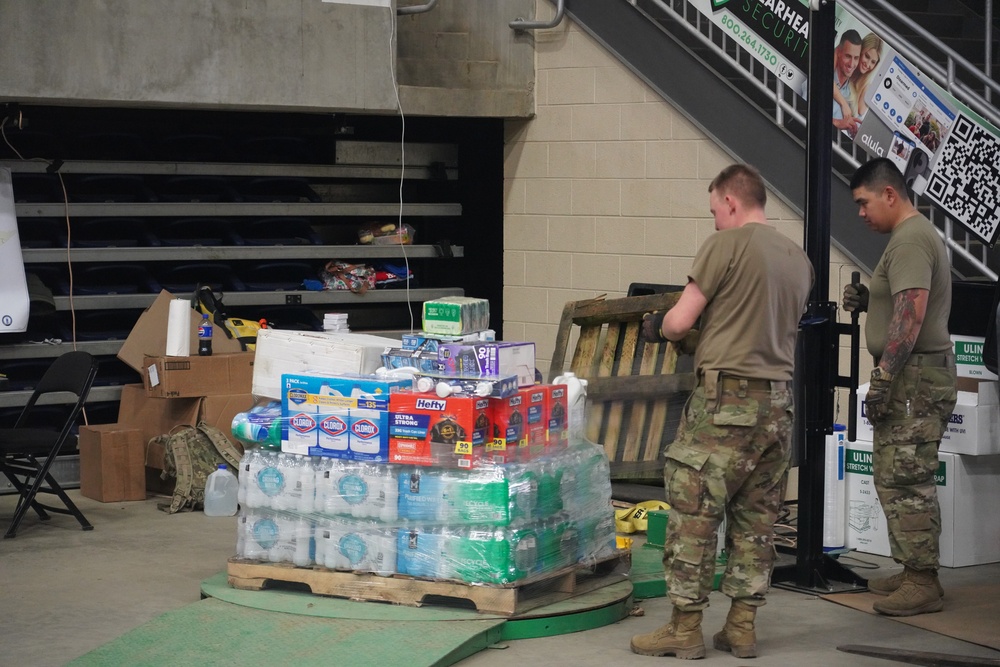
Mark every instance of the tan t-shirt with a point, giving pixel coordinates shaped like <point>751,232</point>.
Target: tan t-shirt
<point>914,258</point>
<point>757,283</point>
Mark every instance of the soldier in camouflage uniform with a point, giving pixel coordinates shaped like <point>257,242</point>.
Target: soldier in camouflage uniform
<point>912,391</point>
<point>749,285</point>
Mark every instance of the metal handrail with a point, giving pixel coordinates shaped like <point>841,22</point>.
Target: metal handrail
<point>786,112</point>
<point>416,9</point>
<point>522,24</point>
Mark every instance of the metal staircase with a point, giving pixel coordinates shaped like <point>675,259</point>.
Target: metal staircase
<point>753,115</point>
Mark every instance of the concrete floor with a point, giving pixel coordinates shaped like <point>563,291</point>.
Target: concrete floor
<point>64,592</point>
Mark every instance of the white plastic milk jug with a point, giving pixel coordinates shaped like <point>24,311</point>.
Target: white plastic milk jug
<point>576,399</point>
<point>221,489</point>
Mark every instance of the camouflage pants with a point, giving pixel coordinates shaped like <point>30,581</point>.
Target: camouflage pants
<point>905,458</point>
<point>730,459</point>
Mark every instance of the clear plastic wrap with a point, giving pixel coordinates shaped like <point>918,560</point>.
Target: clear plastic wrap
<point>496,524</point>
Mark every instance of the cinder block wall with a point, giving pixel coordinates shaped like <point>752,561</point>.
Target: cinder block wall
<point>606,186</point>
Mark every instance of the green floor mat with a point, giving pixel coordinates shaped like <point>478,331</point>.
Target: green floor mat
<point>213,632</point>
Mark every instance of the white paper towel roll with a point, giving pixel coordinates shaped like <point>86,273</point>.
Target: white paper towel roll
<point>834,492</point>
<point>179,328</point>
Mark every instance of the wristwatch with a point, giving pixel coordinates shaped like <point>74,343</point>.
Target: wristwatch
<point>881,375</point>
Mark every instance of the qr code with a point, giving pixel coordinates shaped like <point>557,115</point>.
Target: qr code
<point>965,181</point>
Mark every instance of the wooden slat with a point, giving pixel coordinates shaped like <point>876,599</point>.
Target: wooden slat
<point>585,356</point>
<point>622,310</point>
<point>613,412</point>
<point>658,416</point>
<point>638,386</point>
<point>633,438</point>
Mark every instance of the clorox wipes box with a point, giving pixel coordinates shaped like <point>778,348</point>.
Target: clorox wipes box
<point>343,416</point>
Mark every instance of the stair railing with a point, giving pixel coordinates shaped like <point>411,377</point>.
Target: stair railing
<point>788,110</point>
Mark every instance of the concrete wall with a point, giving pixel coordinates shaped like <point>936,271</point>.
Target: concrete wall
<point>606,186</point>
<point>462,59</point>
<point>459,59</point>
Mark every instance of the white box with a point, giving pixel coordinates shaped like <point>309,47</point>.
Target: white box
<point>968,490</point>
<point>312,353</point>
<point>973,428</point>
<point>969,358</point>
<point>866,523</point>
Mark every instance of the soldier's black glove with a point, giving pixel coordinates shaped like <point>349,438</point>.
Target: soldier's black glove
<point>651,330</point>
<point>855,298</point>
<point>877,400</point>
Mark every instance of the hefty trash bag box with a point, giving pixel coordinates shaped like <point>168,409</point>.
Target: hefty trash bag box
<point>427,430</point>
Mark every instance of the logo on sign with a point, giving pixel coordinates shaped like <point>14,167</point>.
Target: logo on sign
<point>297,396</point>
<point>364,429</point>
<point>430,404</point>
<point>302,423</point>
<point>333,425</point>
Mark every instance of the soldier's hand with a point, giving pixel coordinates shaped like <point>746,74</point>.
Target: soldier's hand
<point>689,344</point>
<point>651,330</point>
<point>855,298</point>
<point>877,400</point>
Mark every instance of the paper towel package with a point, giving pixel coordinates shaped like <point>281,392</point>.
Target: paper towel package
<point>456,315</point>
<point>282,352</point>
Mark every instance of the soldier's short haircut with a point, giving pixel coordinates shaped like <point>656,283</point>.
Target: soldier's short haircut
<point>878,174</point>
<point>743,182</point>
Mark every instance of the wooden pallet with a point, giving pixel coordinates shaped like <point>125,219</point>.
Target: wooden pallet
<point>508,600</point>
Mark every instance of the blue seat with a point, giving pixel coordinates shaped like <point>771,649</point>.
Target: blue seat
<point>279,231</point>
<point>113,279</point>
<point>197,189</point>
<point>124,188</point>
<point>185,278</point>
<point>276,148</point>
<point>41,232</point>
<point>269,276</point>
<point>194,147</point>
<point>112,145</point>
<point>278,189</point>
<point>112,233</point>
<point>197,232</point>
<point>101,324</point>
<point>37,188</point>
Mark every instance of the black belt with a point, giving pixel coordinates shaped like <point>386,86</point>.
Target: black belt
<point>730,383</point>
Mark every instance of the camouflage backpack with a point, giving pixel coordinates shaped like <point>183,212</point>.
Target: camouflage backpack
<point>191,455</point>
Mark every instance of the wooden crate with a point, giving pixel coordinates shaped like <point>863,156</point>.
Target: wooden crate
<point>507,600</point>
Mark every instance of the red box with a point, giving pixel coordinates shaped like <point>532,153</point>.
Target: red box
<point>558,432</point>
<point>536,420</point>
<point>508,430</point>
<point>426,430</point>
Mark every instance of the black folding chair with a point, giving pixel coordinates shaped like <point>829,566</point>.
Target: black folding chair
<point>27,453</point>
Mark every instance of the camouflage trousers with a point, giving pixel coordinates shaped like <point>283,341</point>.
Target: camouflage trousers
<point>905,458</point>
<point>730,460</point>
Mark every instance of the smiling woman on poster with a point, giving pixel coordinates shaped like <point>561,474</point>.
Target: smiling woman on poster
<point>853,106</point>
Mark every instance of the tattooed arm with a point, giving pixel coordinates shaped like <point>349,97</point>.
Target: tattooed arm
<point>908,310</point>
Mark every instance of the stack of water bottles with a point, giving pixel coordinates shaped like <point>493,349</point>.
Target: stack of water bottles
<point>494,524</point>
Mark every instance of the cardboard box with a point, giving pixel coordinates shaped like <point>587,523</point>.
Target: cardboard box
<point>149,335</point>
<point>183,377</point>
<point>219,411</point>
<point>969,358</point>
<point>427,430</point>
<point>112,463</point>
<point>281,352</point>
<point>154,416</point>
<point>968,494</point>
<point>974,425</point>
<point>508,430</point>
<point>464,359</point>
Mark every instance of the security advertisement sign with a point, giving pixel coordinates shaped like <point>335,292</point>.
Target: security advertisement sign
<point>13,286</point>
<point>774,32</point>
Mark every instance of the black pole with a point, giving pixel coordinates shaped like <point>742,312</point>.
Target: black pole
<point>817,351</point>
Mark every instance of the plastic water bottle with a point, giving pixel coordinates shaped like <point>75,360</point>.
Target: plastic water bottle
<point>221,491</point>
<point>576,399</point>
<point>205,336</point>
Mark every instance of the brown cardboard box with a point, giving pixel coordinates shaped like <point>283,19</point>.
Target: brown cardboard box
<point>216,375</point>
<point>112,463</point>
<point>149,335</point>
<point>218,411</point>
<point>154,416</point>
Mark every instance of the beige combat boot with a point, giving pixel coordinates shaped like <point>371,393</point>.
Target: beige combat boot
<point>888,585</point>
<point>737,635</point>
<point>680,638</point>
<point>918,594</point>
